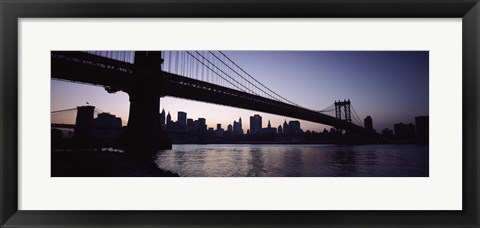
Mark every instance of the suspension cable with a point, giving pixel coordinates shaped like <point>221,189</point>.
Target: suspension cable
<point>64,110</point>
<point>256,79</point>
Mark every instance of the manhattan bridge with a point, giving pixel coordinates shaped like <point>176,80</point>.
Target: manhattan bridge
<point>206,76</point>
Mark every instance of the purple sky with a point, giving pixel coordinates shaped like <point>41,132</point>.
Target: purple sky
<point>390,86</point>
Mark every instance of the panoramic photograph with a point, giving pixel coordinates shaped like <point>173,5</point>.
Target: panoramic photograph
<point>205,113</point>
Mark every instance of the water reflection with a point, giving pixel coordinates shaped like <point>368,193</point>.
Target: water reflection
<point>256,163</point>
<point>295,160</point>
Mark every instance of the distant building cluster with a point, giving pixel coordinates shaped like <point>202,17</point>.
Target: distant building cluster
<point>404,133</point>
<point>187,130</point>
<point>184,129</point>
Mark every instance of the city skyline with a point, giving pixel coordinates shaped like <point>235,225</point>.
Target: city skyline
<point>391,87</point>
<point>243,129</point>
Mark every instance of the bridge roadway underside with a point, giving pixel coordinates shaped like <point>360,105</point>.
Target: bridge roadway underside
<point>95,70</point>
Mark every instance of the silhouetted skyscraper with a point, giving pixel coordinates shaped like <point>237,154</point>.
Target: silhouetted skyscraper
<point>189,124</point>
<point>268,130</point>
<point>422,125</point>
<point>285,128</point>
<point>368,123</point>
<point>169,122</point>
<point>202,124</point>
<point>280,130</point>
<point>182,120</point>
<point>294,127</point>
<point>162,119</point>
<point>219,131</point>
<point>201,129</point>
<point>84,122</point>
<point>237,127</point>
<point>255,124</point>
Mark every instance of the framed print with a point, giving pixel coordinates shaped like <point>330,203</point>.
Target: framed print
<point>223,113</point>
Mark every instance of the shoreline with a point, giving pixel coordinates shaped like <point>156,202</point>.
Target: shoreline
<point>98,163</point>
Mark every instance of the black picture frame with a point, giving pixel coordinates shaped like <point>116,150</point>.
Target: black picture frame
<point>12,10</point>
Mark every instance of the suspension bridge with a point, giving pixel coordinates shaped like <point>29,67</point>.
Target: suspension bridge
<point>206,76</point>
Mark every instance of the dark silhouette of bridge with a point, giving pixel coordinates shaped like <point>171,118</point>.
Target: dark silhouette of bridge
<point>196,75</point>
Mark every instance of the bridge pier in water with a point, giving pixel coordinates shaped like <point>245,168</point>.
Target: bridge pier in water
<point>144,133</point>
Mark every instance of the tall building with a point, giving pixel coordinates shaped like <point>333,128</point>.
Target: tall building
<point>84,122</point>
<point>237,127</point>
<point>368,123</point>
<point>219,131</point>
<point>285,128</point>
<point>422,125</point>
<point>202,123</point>
<point>169,122</point>
<point>294,127</point>
<point>182,120</point>
<point>280,131</point>
<point>189,124</point>
<point>162,119</point>
<point>200,126</point>
<point>269,130</point>
<point>211,132</point>
<point>255,124</point>
<point>230,128</point>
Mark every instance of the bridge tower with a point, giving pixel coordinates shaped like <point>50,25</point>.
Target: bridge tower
<point>143,131</point>
<point>342,110</point>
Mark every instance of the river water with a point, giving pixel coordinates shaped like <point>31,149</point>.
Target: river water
<point>267,160</point>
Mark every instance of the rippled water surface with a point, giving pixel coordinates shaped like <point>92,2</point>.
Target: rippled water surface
<point>248,160</point>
